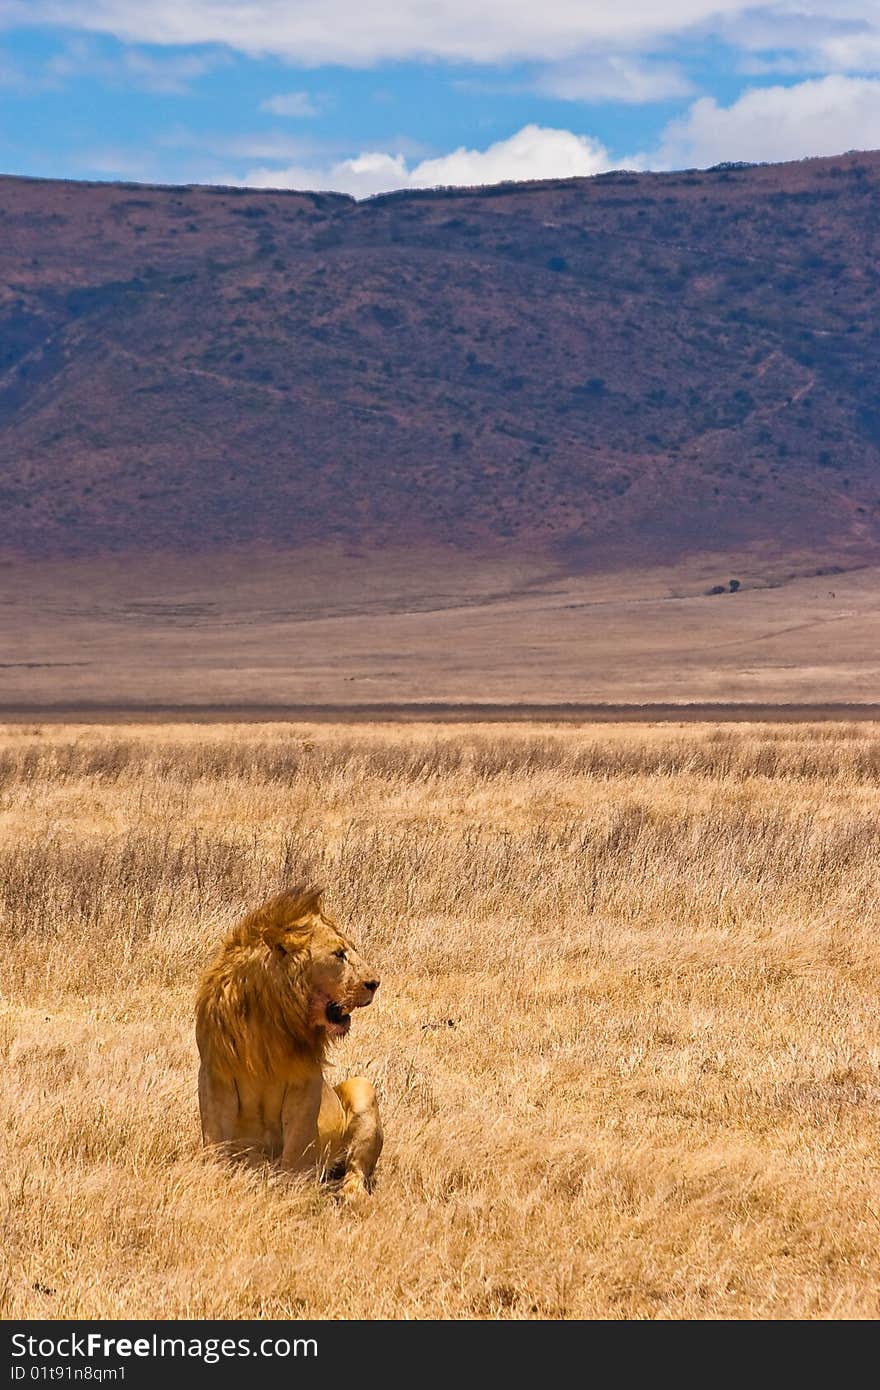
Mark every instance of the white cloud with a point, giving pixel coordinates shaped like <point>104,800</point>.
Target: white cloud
<point>807,38</point>
<point>535,152</point>
<point>577,50</point>
<point>370,173</point>
<point>858,52</point>
<point>351,32</point>
<point>613,78</point>
<point>290,104</point>
<point>822,116</point>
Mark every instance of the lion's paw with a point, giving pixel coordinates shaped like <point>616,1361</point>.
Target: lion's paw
<point>353,1191</point>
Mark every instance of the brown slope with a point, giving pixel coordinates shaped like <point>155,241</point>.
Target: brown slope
<point>648,360</point>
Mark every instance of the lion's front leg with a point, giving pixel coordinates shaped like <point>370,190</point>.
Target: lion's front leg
<point>299,1126</point>
<point>218,1107</point>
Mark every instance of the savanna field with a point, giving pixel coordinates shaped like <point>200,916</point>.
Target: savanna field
<point>626,1041</point>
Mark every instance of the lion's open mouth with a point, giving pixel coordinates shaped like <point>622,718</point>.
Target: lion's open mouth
<point>338,1021</point>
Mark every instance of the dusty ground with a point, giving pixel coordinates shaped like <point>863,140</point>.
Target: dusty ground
<point>334,627</point>
<point>626,1039</point>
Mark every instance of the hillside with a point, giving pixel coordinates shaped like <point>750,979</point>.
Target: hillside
<point>628,360</point>
<point>493,444</point>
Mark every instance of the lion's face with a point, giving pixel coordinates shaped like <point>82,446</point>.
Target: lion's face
<point>341,980</point>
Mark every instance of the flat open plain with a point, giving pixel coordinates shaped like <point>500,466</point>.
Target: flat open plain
<point>626,1039</point>
<point>263,633</point>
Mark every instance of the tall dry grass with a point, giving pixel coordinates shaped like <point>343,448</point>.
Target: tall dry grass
<point>626,1041</point>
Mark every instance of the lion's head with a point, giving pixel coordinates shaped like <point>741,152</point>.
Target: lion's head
<point>310,947</point>
<point>285,980</point>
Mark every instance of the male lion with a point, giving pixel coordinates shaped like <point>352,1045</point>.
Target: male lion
<point>282,984</point>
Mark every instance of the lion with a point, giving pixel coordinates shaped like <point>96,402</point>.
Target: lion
<point>282,985</point>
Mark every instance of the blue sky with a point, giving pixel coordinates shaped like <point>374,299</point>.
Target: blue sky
<point>407,93</point>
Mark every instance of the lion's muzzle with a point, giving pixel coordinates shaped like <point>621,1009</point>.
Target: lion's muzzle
<point>337,1014</point>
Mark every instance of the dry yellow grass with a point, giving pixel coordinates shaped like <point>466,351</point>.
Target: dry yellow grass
<point>626,1040</point>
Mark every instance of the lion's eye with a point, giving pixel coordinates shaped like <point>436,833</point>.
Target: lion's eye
<point>340,955</point>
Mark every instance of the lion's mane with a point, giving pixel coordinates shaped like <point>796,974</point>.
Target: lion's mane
<point>252,1010</point>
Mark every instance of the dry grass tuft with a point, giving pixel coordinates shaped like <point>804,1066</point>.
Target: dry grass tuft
<point>626,1039</point>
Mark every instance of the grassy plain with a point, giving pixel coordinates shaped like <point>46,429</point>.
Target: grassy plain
<point>626,1040</point>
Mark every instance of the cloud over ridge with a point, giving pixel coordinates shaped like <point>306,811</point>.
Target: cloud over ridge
<point>534,152</point>
<point>822,116</point>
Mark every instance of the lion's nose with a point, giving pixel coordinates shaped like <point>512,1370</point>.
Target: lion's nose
<point>371,985</point>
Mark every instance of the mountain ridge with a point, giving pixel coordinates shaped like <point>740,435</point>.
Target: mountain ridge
<point>595,369</point>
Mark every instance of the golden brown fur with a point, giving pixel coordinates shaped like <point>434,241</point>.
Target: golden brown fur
<point>283,981</point>
<point>250,1014</point>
